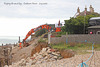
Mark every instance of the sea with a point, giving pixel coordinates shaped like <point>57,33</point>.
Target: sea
<point>10,39</point>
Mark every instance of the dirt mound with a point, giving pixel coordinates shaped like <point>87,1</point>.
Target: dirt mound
<point>38,48</point>
<point>67,53</point>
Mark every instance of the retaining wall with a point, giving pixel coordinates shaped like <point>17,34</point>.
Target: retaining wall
<point>76,38</point>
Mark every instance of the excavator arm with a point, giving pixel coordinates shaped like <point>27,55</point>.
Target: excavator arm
<point>28,34</point>
<point>36,29</point>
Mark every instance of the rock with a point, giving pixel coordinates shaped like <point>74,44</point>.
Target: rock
<point>32,58</point>
<point>48,51</point>
<point>6,66</point>
<point>30,62</point>
<point>40,53</point>
<point>38,62</point>
<point>52,59</point>
<point>34,55</point>
<point>55,57</point>
<point>58,52</point>
<point>10,66</point>
<point>40,56</point>
<point>28,59</point>
<point>59,57</point>
<point>52,50</point>
<point>33,62</point>
<point>27,64</point>
<point>45,53</point>
<point>22,62</point>
<point>51,55</point>
<point>46,58</point>
<point>44,50</point>
<point>55,54</point>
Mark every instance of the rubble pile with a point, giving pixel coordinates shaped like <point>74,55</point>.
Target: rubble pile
<point>45,55</point>
<point>38,48</point>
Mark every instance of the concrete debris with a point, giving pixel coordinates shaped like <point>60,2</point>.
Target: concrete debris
<point>45,55</point>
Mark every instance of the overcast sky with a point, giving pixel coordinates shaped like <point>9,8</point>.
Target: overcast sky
<point>18,19</point>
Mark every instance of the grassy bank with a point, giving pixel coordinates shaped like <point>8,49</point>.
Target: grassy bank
<point>80,48</point>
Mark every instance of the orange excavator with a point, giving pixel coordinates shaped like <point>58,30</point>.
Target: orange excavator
<point>33,31</point>
<point>57,29</point>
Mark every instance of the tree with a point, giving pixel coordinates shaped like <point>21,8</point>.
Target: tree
<point>40,32</point>
<point>76,25</point>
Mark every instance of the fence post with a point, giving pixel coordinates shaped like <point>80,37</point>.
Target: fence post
<point>19,40</point>
<point>49,37</point>
<point>66,37</point>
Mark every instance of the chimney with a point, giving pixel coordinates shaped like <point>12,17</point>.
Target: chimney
<point>78,10</point>
<point>85,8</point>
<point>91,9</point>
<point>59,23</point>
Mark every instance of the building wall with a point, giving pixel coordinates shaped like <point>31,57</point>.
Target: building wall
<point>56,40</point>
<point>93,30</point>
<point>76,38</point>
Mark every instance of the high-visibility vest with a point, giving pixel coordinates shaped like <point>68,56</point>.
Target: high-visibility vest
<point>20,45</point>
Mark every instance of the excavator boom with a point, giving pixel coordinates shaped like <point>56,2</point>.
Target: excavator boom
<point>37,29</point>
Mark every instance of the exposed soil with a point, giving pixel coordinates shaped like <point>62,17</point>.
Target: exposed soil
<point>67,53</point>
<point>39,47</point>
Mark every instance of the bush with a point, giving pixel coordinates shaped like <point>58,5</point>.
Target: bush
<point>41,40</point>
<point>62,33</point>
<point>58,35</point>
<point>40,32</point>
<point>72,44</point>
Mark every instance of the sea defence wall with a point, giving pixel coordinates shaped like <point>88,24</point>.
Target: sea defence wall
<point>5,55</point>
<point>76,38</point>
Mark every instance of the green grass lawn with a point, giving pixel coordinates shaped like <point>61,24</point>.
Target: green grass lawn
<point>80,48</point>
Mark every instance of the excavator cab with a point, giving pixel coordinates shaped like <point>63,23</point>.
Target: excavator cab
<point>25,44</point>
